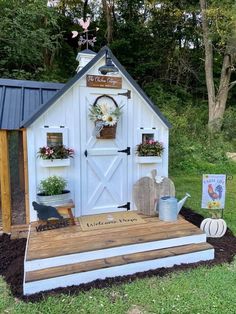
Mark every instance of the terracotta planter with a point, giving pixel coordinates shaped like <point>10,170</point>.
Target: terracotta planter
<point>54,200</point>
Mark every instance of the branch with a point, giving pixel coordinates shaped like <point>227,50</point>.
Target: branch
<point>85,10</point>
<point>231,85</point>
<point>208,54</point>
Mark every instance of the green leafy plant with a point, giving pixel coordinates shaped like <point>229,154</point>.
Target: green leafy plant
<point>55,152</point>
<point>53,185</point>
<point>150,148</point>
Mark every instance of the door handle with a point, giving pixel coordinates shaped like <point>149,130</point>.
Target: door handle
<point>126,151</point>
<point>86,153</point>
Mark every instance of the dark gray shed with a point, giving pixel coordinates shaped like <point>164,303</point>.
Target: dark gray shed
<point>20,99</point>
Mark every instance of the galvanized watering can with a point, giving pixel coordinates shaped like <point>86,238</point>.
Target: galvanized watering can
<point>169,207</point>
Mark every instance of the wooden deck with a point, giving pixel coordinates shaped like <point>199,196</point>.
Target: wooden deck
<point>70,256</point>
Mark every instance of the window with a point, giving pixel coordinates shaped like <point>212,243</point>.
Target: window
<point>147,137</point>
<point>54,139</point>
<point>54,136</point>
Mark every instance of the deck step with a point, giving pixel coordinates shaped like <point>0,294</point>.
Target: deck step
<point>83,272</point>
<point>72,240</point>
<point>187,237</point>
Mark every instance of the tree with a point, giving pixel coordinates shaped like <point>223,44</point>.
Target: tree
<point>30,37</point>
<point>218,95</point>
<point>108,7</point>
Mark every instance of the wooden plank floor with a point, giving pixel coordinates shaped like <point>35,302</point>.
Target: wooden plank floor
<point>113,261</point>
<point>71,240</point>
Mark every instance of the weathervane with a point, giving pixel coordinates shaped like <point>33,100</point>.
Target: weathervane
<point>84,40</point>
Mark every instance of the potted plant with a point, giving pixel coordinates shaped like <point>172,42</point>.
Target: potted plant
<point>55,156</point>
<point>149,151</point>
<point>105,116</point>
<point>52,191</point>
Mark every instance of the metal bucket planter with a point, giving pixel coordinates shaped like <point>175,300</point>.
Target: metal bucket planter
<point>54,200</point>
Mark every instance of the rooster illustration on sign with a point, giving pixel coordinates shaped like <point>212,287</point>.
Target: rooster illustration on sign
<point>215,194</point>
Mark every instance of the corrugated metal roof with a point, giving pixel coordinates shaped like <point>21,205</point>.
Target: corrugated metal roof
<point>82,72</point>
<point>19,100</point>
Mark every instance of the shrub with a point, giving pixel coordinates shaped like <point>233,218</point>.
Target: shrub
<point>229,126</point>
<point>53,185</point>
<point>192,148</point>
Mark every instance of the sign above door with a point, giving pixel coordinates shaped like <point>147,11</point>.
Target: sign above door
<point>104,81</point>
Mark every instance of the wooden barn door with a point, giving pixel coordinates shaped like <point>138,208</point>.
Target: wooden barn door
<point>104,167</point>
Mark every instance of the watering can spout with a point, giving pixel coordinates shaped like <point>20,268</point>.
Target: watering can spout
<point>181,202</point>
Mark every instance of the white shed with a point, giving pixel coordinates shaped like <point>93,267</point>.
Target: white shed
<point>102,173</point>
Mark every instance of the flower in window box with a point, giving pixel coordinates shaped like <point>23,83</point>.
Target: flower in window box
<point>55,152</point>
<point>150,148</point>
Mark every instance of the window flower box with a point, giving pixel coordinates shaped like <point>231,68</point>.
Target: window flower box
<point>55,156</point>
<point>149,152</point>
<point>55,162</point>
<point>148,159</point>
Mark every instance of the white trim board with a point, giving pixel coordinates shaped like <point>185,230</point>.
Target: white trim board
<point>116,251</point>
<point>122,270</point>
<point>26,250</point>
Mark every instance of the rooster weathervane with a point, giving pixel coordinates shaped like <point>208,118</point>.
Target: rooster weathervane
<point>84,39</point>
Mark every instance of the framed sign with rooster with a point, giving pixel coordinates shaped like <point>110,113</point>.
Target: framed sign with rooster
<point>213,191</point>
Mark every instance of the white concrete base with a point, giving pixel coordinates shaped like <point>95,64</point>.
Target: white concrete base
<point>127,269</point>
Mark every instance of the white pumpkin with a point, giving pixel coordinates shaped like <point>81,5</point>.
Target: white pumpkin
<point>214,228</point>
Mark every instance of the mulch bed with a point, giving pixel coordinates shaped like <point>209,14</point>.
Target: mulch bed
<point>12,260</point>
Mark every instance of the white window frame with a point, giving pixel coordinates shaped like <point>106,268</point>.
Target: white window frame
<point>63,130</point>
<point>142,131</point>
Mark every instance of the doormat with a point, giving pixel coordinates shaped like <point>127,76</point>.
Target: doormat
<point>110,220</point>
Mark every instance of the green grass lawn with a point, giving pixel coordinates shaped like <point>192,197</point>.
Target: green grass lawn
<point>202,290</point>
<point>193,185</point>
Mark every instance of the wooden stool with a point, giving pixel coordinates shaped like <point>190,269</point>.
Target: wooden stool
<point>65,209</point>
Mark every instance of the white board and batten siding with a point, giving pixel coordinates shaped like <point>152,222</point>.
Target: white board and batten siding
<point>103,180</point>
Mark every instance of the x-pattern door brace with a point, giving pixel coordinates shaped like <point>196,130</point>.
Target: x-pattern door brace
<point>104,180</point>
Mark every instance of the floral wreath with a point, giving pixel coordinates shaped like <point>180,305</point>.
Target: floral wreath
<point>104,114</point>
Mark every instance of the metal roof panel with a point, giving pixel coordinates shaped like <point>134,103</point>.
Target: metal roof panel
<point>11,111</point>
<point>20,99</point>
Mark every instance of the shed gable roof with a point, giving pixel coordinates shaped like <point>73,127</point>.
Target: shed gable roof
<point>20,99</point>
<point>29,120</point>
